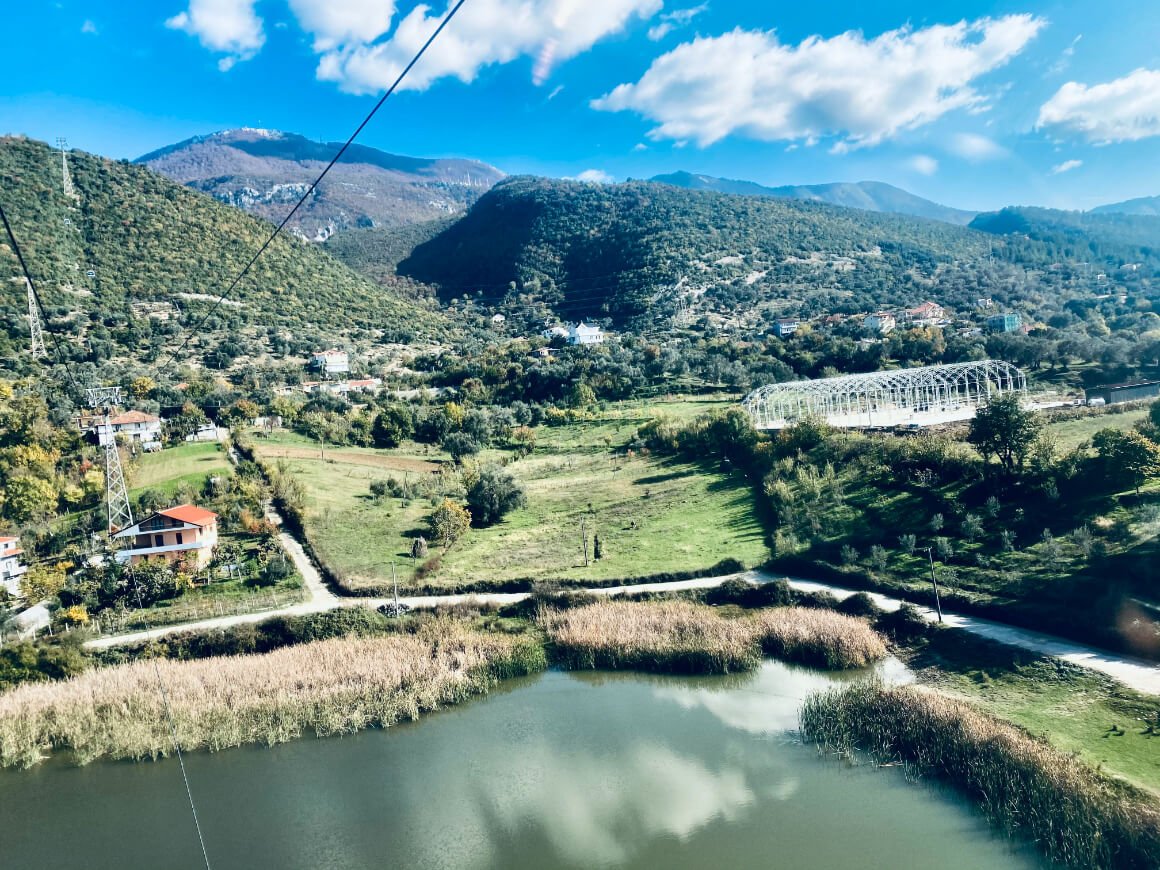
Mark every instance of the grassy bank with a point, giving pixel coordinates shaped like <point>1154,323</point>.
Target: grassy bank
<point>677,636</point>
<point>1077,816</point>
<point>186,463</point>
<point>331,687</point>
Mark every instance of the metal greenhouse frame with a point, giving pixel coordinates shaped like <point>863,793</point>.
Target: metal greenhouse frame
<point>911,397</point>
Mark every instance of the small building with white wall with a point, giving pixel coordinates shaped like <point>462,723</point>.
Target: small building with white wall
<point>11,567</point>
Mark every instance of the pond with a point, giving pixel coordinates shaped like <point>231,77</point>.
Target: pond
<point>558,770</point>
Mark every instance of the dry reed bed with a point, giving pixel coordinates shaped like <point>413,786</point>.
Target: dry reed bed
<point>691,638</point>
<point>1077,816</point>
<point>330,687</point>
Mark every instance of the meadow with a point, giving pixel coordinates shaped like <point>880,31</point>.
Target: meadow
<point>654,515</point>
<point>167,469</point>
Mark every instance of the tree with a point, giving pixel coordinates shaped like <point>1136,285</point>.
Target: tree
<point>29,498</point>
<point>448,523</point>
<point>142,387</point>
<point>43,582</point>
<point>581,396</point>
<point>907,543</point>
<point>494,493</point>
<point>393,425</point>
<point>524,440</point>
<point>878,557</point>
<point>972,527</point>
<point>185,423</point>
<point>419,548</point>
<point>936,523</point>
<point>241,412</point>
<point>597,548</point>
<point>460,445</point>
<point>1128,457</point>
<point>1004,429</point>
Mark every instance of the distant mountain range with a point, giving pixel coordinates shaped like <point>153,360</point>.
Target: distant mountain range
<point>265,171</point>
<point>1144,205</point>
<point>867,195</point>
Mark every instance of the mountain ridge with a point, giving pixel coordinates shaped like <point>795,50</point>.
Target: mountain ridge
<point>877,196</point>
<point>265,171</point>
<point>1140,205</point>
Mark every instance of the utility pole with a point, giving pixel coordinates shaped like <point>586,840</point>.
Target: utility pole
<point>395,581</point>
<point>934,583</point>
<point>116,495</point>
<point>34,325</point>
<point>584,538</point>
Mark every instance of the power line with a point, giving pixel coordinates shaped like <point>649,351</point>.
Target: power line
<point>310,190</point>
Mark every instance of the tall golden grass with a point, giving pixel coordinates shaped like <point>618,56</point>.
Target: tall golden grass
<point>330,687</point>
<point>692,638</point>
<point>1076,815</point>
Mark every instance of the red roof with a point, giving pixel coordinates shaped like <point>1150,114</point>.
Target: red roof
<point>191,514</point>
<point>133,417</point>
<point>7,540</point>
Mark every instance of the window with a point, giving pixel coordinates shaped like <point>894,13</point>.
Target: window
<point>179,538</point>
<point>159,540</point>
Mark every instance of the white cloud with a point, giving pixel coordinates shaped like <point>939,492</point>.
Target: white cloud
<point>484,32</point>
<point>595,176</point>
<point>862,90</point>
<point>89,27</point>
<point>923,164</point>
<point>973,147</point>
<point>670,21</point>
<point>1065,56</point>
<point>227,26</point>
<point>1066,166</point>
<point>342,22</point>
<point>1122,110</point>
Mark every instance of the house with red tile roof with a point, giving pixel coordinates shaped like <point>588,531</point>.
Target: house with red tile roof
<point>136,427</point>
<point>185,534</point>
<point>11,568</point>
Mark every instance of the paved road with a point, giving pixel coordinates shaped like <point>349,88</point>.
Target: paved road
<point>1138,674</point>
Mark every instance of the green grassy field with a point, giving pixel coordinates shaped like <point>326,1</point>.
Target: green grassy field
<point>1069,433</point>
<point>186,463</point>
<point>653,516</point>
<point>1077,710</point>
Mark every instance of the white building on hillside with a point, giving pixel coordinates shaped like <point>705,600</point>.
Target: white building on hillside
<point>331,362</point>
<point>881,322</point>
<point>136,427</point>
<point>11,568</point>
<point>582,333</point>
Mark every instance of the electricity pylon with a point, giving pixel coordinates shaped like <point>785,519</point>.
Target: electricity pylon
<point>66,178</point>
<point>34,325</point>
<point>116,495</point>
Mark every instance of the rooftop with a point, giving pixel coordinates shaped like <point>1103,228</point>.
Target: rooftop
<point>188,513</point>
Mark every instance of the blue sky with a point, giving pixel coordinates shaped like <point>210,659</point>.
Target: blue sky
<point>975,104</point>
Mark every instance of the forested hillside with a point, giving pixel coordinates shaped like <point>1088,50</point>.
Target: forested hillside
<point>1102,239</point>
<point>135,257</point>
<point>642,252</point>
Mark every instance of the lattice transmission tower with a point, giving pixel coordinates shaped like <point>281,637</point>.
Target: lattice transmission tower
<point>35,327</point>
<point>65,177</point>
<point>116,495</point>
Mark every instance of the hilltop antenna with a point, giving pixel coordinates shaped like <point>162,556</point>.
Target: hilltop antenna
<point>65,177</point>
<point>116,496</point>
<point>35,327</point>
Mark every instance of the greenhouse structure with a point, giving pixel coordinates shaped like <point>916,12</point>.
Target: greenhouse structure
<point>910,398</point>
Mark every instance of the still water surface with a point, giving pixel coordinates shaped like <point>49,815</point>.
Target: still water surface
<point>559,770</point>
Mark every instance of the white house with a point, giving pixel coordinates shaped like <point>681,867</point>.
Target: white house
<point>881,322</point>
<point>582,333</point>
<point>331,362</point>
<point>11,568</point>
<point>556,332</point>
<point>786,327</point>
<point>204,432</point>
<point>179,534</point>
<point>136,427</point>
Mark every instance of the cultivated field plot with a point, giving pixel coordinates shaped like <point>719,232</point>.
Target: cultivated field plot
<point>1069,433</point>
<point>653,516</point>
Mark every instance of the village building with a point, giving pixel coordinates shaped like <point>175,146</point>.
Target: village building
<point>582,333</point>
<point>926,314</point>
<point>555,332</point>
<point>204,432</point>
<point>1009,322</point>
<point>881,322</point>
<point>185,534</point>
<point>786,327</point>
<point>330,362</point>
<point>135,427</point>
<point>11,568</point>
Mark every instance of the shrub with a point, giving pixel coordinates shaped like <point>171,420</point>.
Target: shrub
<point>449,522</point>
<point>419,548</point>
<point>907,543</point>
<point>493,494</point>
<point>460,445</point>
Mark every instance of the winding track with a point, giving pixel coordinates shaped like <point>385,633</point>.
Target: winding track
<point>1137,674</point>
